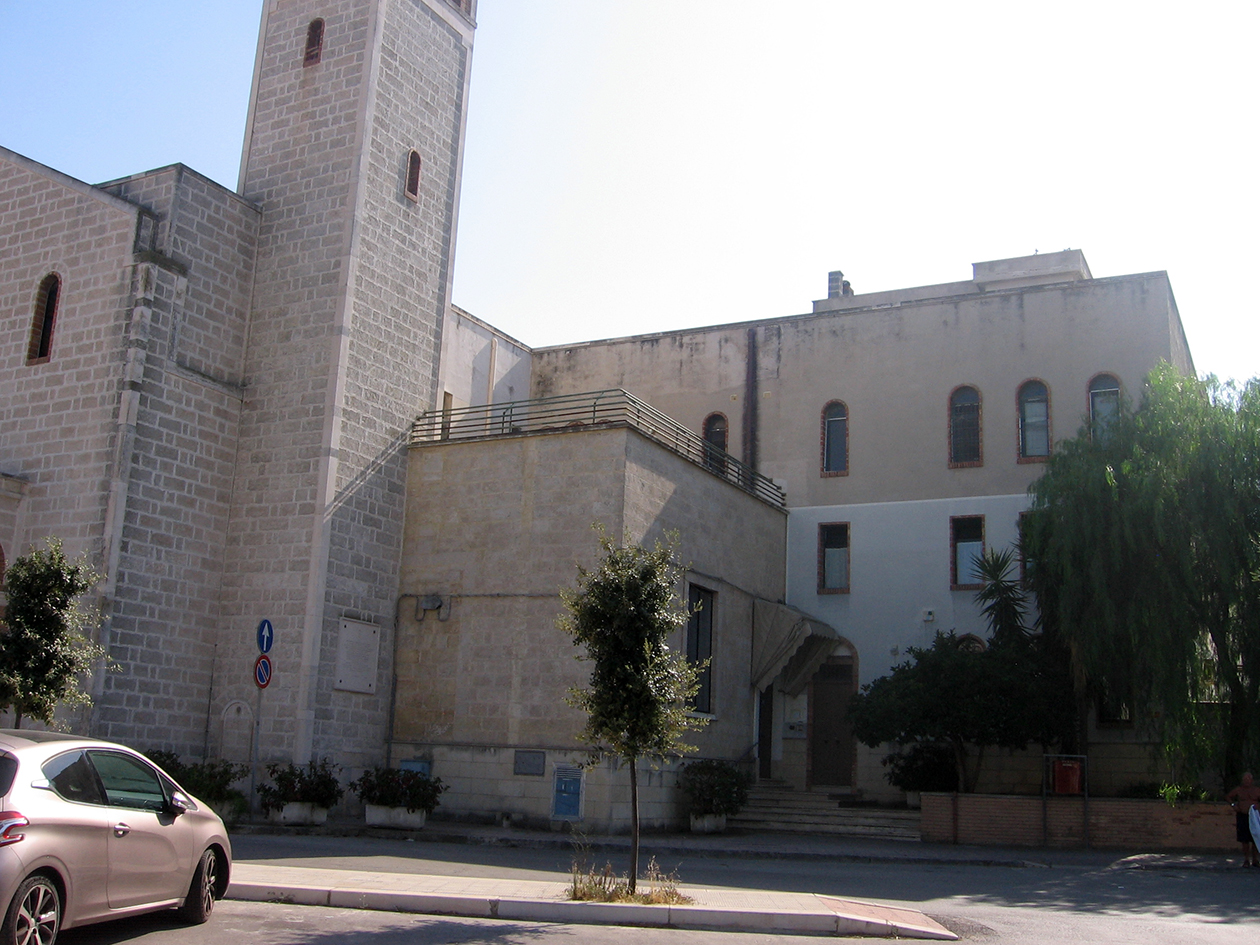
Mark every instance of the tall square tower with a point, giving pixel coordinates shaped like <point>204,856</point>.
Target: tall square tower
<point>353,153</point>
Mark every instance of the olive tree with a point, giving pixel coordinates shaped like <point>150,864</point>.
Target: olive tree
<point>622,613</point>
<point>44,646</point>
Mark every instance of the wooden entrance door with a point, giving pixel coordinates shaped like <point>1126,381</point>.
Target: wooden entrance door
<point>831,748</point>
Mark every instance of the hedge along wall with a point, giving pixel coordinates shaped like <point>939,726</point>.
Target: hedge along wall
<point>1114,823</point>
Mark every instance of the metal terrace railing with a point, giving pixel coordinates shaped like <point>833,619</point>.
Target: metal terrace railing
<point>604,408</point>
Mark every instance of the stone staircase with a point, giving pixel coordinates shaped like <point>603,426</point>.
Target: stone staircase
<point>777,806</point>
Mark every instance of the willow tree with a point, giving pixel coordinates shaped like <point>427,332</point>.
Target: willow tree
<point>44,649</point>
<point>1144,543</point>
<point>623,612</point>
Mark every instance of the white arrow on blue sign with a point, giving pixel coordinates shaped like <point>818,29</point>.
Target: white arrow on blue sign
<point>266,636</point>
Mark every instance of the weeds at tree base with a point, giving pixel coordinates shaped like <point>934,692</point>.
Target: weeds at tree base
<point>592,885</point>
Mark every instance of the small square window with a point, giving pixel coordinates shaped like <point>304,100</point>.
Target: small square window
<point>833,558</point>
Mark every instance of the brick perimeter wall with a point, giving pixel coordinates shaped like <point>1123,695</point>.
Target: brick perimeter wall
<point>1114,823</point>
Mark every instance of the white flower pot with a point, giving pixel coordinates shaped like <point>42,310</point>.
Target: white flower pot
<point>708,823</point>
<point>299,812</point>
<point>378,816</point>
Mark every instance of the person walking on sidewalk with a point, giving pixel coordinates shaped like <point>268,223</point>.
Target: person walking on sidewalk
<point>1243,798</point>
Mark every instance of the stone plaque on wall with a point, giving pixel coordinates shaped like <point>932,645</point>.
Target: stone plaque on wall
<point>358,649</point>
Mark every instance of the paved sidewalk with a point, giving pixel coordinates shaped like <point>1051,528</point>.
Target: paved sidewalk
<point>530,900</point>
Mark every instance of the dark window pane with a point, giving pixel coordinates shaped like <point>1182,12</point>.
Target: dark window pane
<point>72,777</point>
<point>700,644</point>
<point>964,426</point>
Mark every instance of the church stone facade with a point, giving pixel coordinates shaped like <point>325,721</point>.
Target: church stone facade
<point>263,405</point>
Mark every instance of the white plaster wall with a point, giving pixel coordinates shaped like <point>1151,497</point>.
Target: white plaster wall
<point>899,566</point>
<point>481,365</point>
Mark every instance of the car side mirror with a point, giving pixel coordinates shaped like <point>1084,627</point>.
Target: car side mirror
<point>42,784</point>
<point>179,803</point>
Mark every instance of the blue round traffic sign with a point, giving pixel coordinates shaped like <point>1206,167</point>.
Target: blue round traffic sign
<point>266,636</point>
<point>262,671</point>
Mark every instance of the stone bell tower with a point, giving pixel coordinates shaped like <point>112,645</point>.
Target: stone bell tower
<point>353,152</point>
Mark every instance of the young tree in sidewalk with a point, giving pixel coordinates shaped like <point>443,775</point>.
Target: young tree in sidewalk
<point>44,648</point>
<point>623,613</point>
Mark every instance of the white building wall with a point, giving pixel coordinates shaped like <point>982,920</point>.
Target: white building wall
<point>899,567</point>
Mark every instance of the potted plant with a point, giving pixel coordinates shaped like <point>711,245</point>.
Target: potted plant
<point>714,789</point>
<point>395,798</point>
<point>300,794</point>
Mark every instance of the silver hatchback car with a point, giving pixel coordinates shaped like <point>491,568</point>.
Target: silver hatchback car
<point>90,831</point>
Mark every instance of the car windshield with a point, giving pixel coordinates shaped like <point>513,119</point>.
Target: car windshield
<point>8,768</point>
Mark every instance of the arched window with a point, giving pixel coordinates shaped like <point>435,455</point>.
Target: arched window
<point>835,439</point>
<point>314,43</point>
<point>1104,403</point>
<point>412,190</point>
<point>964,427</point>
<point>715,433</point>
<point>46,300</point>
<point>1034,420</point>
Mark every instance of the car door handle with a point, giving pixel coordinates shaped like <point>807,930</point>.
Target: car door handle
<point>121,830</point>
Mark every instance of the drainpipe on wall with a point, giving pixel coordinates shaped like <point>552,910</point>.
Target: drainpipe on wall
<point>750,402</point>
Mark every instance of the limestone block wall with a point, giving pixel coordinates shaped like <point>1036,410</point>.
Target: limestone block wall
<point>58,417</point>
<point>495,528</point>
<point>177,455</point>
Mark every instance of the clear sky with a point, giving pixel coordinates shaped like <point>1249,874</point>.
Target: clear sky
<point>640,165</point>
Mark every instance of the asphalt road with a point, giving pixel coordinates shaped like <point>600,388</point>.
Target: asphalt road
<point>1092,902</point>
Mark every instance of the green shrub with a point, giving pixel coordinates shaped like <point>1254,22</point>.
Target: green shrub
<point>1176,794</point>
<point>391,787</point>
<point>713,787</point>
<point>923,767</point>
<point>314,783</point>
<point>210,780</point>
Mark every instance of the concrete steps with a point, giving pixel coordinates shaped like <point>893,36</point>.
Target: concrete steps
<point>780,808</point>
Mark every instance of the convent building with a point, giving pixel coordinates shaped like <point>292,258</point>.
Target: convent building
<point>262,405</point>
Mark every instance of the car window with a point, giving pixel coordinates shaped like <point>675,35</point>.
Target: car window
<point>8,768</point>
<point>128,782</point>
<point>72,778</point>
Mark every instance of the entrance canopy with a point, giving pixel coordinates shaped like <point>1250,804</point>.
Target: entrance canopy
<point>788,646</point>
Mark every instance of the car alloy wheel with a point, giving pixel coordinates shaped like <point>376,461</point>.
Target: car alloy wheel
<point>35,915</point>
<point>199,902</point>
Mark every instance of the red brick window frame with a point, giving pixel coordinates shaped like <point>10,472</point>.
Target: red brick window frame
<point>47,302</point>
<point>966,546</point>
<point>1032,404</point>
<point>966,440</point>
<point>834,439</point>
<point>412,187</point>
<point>314,43</point>
<point>833,558</point>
